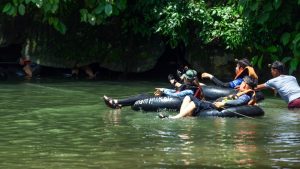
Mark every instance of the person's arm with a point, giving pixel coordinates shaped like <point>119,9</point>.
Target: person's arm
<point>242,100</point>
<point>170,92</point>
<point>215,80</point>
<point>220,83</point>
<point>266,86</point>
<point>261,86</point>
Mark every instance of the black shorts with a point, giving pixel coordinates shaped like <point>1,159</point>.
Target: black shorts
<point>201,105</point>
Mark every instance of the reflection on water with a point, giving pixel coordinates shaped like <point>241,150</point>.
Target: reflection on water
<point>66,125</point>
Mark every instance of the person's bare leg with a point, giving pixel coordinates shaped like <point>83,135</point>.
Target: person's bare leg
<point>185,111</point>
<point>28,72</point>
<point>185,102</point>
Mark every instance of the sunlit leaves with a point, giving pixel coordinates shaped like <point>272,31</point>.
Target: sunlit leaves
<point>285,38</point>
<point>108,9</point>
<point>57,24</point>
<point>7,8</point>
<point>21,9</point>
<point>10,9</point>
<point>277,4</point>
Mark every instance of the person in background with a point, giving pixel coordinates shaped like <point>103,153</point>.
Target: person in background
<point>192,106</point>
<point>243,68</point>
<point>286,85</point>
<point>87,69</point>
<point>26,66</point>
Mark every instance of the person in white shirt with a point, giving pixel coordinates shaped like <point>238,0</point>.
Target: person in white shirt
<point>286,85</point>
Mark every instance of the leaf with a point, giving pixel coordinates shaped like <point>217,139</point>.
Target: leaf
<point>83,14</point>
<point>277,4</point>
<point>263,18</point>
<point>254,6</point>
<point>108,9</point>
<point>6,8</point>
<point>260,60</point>
<point>268,7</point>
<point>27,1</point>
<point>12,11</point>
<point>285,38</point>
<point>274,57</point>
<point>92,19</point>
<point>296,45</point>
<point>293,65</point>
<point>254,60</point>
<point>99,9</point>
<point>272,49</point>
<point>61,27</point>
<point>122,4</point>
<point>15,2</point>
<point>286,59</point>
<point>21,9</point>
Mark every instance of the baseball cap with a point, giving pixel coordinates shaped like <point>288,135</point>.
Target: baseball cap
<point>190,74</point>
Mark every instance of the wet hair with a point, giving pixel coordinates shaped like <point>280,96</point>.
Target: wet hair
<point>243,62</point>
<point>252,82</point>
<point>277,65</point>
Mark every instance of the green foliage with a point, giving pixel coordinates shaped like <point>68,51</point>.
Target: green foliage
<point>275,27</point>
<point>271,28</point>
<point>178,21</point>
<point>184,20</point>
<point>96,12</point>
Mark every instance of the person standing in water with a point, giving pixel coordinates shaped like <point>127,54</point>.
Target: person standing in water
<point>286,85</point>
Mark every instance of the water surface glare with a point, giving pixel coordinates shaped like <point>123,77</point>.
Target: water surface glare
<point>65,124</point>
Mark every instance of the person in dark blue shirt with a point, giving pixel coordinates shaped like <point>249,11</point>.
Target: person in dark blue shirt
<point>243,68</point>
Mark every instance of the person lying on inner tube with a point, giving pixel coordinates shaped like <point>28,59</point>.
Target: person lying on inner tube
<point>286,85</point>
<point>243,68</point>
<point>191,106</point>
<point>187,76</point>
<point>189,82</point>
<point>181,92</point>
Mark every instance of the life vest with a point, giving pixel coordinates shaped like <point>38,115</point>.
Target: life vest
<point>198,92</point>
<point>252,95</point>
<point>247,71</point>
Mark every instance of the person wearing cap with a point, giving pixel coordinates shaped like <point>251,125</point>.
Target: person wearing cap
<point>189,81</point>
<point>182,90</point>
<point>243,68</point>
<point>286,85</point>
<point>188,78</point>
<point>192,106</point>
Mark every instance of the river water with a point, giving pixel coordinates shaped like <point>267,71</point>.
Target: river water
<point>65,124</point>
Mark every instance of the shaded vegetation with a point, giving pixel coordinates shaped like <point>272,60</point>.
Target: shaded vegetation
<point>93,30</point>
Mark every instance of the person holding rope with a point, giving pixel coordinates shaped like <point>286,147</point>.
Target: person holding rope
<point>286,85</point>
<point>192,106</point>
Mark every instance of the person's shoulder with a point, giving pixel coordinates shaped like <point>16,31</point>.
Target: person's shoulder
<point>286,77</point>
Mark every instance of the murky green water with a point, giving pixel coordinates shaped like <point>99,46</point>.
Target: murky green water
<point>55,124</point>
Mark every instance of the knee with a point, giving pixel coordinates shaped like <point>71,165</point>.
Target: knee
<point>187,99</point>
